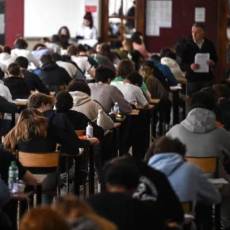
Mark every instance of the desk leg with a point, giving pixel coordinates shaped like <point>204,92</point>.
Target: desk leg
<point>217,217</point>
<point>39,194</point>
<point>76,183</point>
<point>175,107</point>
<point>91,172</point>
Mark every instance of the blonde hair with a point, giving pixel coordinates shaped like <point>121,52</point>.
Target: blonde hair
<point>43,218</point>
<point>30,123</point>
<point>73,209</point>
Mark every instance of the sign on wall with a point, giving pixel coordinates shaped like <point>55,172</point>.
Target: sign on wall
<point>158,15</point>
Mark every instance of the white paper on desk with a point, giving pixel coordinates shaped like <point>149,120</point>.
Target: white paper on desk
<point>220,181</point>
<point>202,60</point>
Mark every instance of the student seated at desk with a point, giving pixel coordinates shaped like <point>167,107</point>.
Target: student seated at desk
<point>64,104</point>
<point>31,134</point>
<point>16,83</point>
<point>83,103</point>
<point>187,180</point>
<point>33,81</point>
<point>131,89</point>
<point>157,90</point>
<point>107,94</point>
<point>117,204</point>
<point>54,77</point>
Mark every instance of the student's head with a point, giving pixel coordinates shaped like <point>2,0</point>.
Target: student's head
<point>77,212</point>
<point>39,46</point>
<point>137,37</point>
<point>204,98</point>
<point>147,69</point>
<point>30,123</point>
<point>103,48</point>
<point>125,67</point>
<point>47,59</point>
<point>104,74</point>
<point>13,69</point>
<point>43,218</point>
<point>198,32</point>
<point>64,101</point>
<point>71,207</point>
<point>81,49</point>
<point>156,58</point>
<point>72,50</point>
<point>22,62</point>
<point>135,78</point>
<point>7,49</point>
<point>20,43</point>
<point>121,175</point>
<point>127,44</point>
<point>88,19</point>
<point>41,102</point>
<point>79,85</point>
<point>64,31</point>
<point>166,145</point>
<point>166,52</point>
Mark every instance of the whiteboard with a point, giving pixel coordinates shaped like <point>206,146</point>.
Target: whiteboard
<point>43,18</point>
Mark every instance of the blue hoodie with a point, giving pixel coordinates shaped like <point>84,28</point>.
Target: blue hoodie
<point>187,180</point>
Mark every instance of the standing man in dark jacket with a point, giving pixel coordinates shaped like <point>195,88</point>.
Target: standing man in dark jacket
<point>186,52</point>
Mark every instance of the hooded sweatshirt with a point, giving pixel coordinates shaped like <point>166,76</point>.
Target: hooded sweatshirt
<point>199,133</point>
<point>187,180</point>
<point>83,103</point>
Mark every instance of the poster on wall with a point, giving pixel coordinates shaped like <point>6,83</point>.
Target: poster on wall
<point>91,6</point>
<point>199,14</point>
<point>158,15</point>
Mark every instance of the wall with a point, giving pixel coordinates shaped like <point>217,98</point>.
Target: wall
<point>181,23</point>
<point>40,18</point>
<point>183,18</point>
<point>44,17</point>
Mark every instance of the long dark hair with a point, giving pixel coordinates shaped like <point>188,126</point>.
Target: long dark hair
<point>88,16</point>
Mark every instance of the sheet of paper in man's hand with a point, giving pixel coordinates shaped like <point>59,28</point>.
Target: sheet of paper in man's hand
<point>202,60</point>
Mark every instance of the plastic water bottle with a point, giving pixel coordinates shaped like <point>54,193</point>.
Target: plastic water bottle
<point>116,108</point>
<point>12,175</point>
<point>89,130</point>
<point>100,117</point>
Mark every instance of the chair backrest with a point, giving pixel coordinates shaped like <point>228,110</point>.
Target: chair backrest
<point>207,164</point>
<point>39,160</point>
